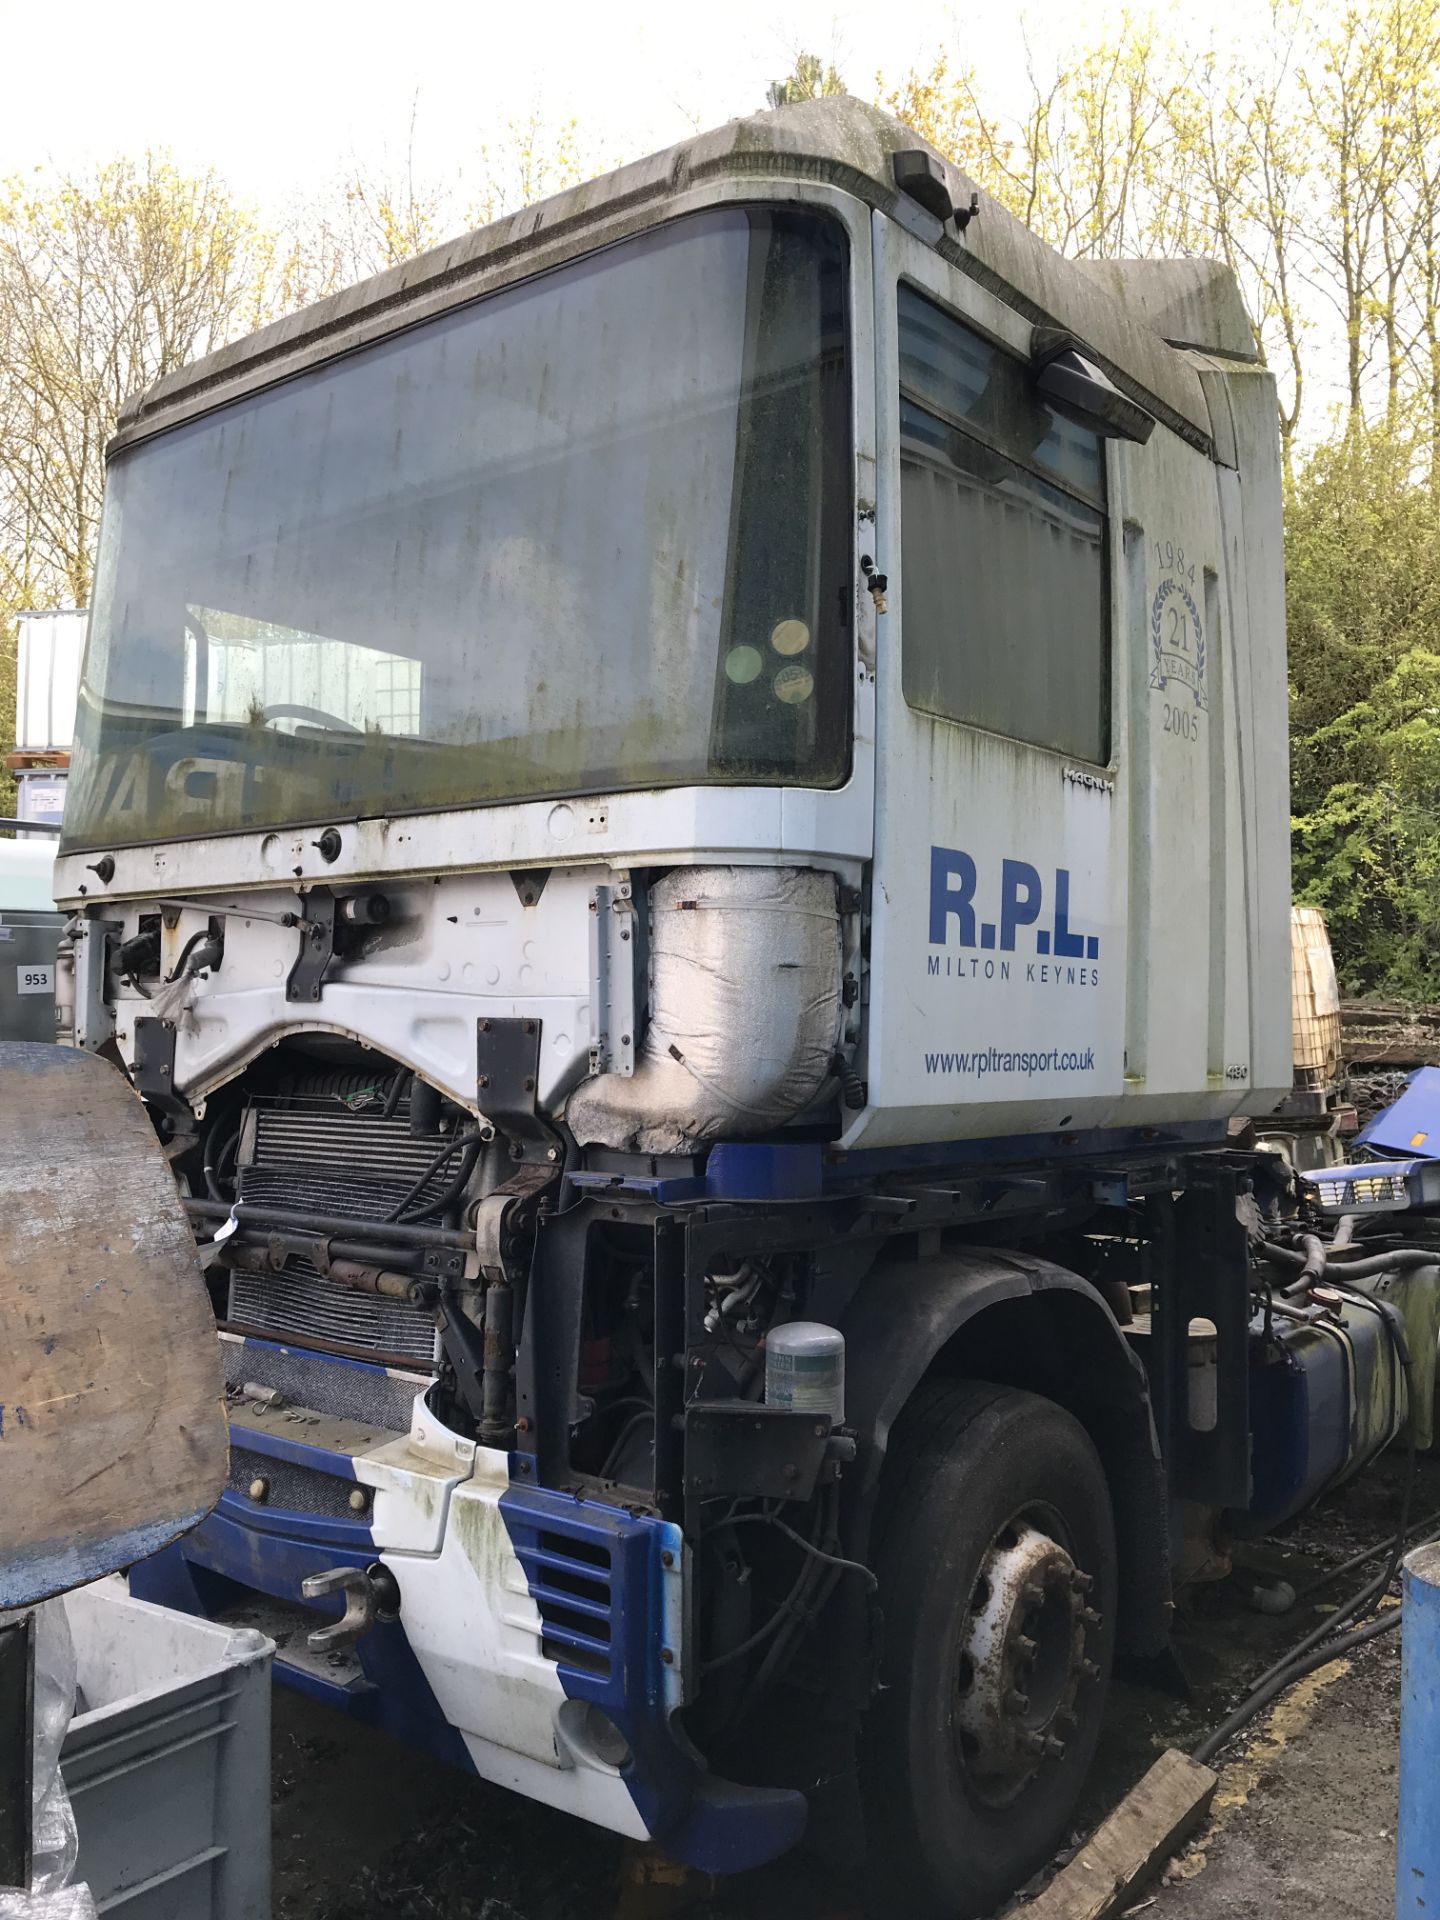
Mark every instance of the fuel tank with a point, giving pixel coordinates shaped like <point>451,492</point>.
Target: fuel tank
<point>1327,1393</point>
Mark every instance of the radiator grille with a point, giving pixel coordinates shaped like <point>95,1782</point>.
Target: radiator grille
<point>570,1582</point>
<point>318,1154</point>
<point>314,1154</point>
<point>298,1304</point>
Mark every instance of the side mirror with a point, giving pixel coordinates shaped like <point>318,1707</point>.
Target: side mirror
<point>1075,387</point>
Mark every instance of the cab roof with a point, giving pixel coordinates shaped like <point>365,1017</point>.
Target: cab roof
<point>1121,311</point>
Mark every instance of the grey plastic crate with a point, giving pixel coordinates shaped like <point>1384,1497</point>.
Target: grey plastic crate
<point>28,942</point>
<point>168,1762</point>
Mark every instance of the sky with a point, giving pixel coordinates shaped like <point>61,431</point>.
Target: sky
<point>278,95</point>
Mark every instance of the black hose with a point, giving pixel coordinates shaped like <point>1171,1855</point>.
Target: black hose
<point>1261,1696</point>
<point>803,1610</point>
<point>612,1458</point>
<point>1397,1260</point>
<point>1313,1248</point>
<point>212,1166</point>
<point>817,1553</point>
<point>457,1186</point>
<point>852,1087</point>
<point>826,1569</point>
<point>1426,1530</point>
<point>185,953</point>
<point>392,1098</point>
<point>788,1609</point>
<point>447,1152</point>
<point>1309,1652</point>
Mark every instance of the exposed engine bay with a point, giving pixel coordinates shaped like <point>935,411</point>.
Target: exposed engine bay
<point>525,1220</point>
<point>370,1098</point>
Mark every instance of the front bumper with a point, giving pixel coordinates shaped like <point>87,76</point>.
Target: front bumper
<point>540,1641</point>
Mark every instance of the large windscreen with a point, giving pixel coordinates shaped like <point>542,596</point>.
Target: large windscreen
<point>587,534</point>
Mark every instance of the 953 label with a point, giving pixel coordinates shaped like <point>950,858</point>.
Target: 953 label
<point>34,979</point>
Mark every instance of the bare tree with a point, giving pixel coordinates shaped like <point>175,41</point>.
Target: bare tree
<point>106,283</point>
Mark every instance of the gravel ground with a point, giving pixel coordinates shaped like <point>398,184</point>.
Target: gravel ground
<point>1309,1825</point>
<point>1304,1817</point>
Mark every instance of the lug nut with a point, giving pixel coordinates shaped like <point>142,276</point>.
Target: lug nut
<point>1054,1749</point>
<point>1089,1617</point>
<point>1025,1647</point>
<point>1017,1702</point>
<point>1033,1594</point>
<point>1081,1582</point>
<point>1033,1742</point>
<point>1090,1669</point>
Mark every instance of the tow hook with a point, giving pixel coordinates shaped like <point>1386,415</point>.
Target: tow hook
<point>371,1594</point>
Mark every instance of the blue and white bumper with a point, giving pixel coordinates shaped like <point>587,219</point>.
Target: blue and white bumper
<point>540,1639</point>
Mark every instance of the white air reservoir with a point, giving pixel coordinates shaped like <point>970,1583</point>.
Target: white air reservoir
<point>805,1369</point>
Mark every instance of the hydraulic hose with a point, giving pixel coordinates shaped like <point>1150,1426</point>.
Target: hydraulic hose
<point>1317,1263</point>
<point>1316,1260</point>
<point>1397,1260</point>
<point>438,1206</point>
<point>1320,1645</point>
<point>1423,1534</point>
<point>451,1147</point>
<point>215,1160</point>
<point>1265,1692</point>
<point>398,1085</point>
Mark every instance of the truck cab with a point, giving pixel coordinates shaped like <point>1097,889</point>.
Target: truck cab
<point>687,786</point>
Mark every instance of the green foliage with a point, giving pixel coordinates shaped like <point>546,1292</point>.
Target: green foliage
<point>811,79</point>
<point>1363,582</point>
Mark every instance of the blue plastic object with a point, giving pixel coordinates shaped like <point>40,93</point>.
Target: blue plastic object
<point>1411,1124</point>
<point>1300,1412</point>
<point>1377,1186</point>
<point>1417,1856</point>
<point>1326,1395</point>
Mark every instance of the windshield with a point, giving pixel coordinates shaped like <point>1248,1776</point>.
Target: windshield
<point>589,533</point>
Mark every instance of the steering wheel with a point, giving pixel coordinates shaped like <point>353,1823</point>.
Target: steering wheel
<point>286,710</point>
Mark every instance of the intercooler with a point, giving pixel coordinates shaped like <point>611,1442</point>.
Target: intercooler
<point>334,1149</point>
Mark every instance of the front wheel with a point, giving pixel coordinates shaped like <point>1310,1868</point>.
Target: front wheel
<point>996,1562</point>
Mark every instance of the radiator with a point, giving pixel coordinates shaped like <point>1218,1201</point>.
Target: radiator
<point>334,1152</point>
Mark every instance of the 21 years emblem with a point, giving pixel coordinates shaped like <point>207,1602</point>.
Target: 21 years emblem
<point>1177,633</point>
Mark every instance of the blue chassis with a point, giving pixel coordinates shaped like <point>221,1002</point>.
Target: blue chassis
<point>708,1823</point>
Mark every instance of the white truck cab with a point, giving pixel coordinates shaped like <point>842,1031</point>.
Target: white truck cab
<point>708,758</point>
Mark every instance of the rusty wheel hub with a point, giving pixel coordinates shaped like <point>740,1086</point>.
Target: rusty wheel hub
<point>1022,1660</point>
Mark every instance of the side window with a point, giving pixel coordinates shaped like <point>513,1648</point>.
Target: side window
<point>1006,608</point>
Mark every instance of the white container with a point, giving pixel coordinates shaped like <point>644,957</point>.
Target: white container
<point>47,682</point>
<point>167,1761</point>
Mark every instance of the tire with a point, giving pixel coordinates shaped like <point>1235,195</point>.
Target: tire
<point>958,1820</point>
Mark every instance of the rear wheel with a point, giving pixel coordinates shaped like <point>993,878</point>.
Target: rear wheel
<point>996,1561</point>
